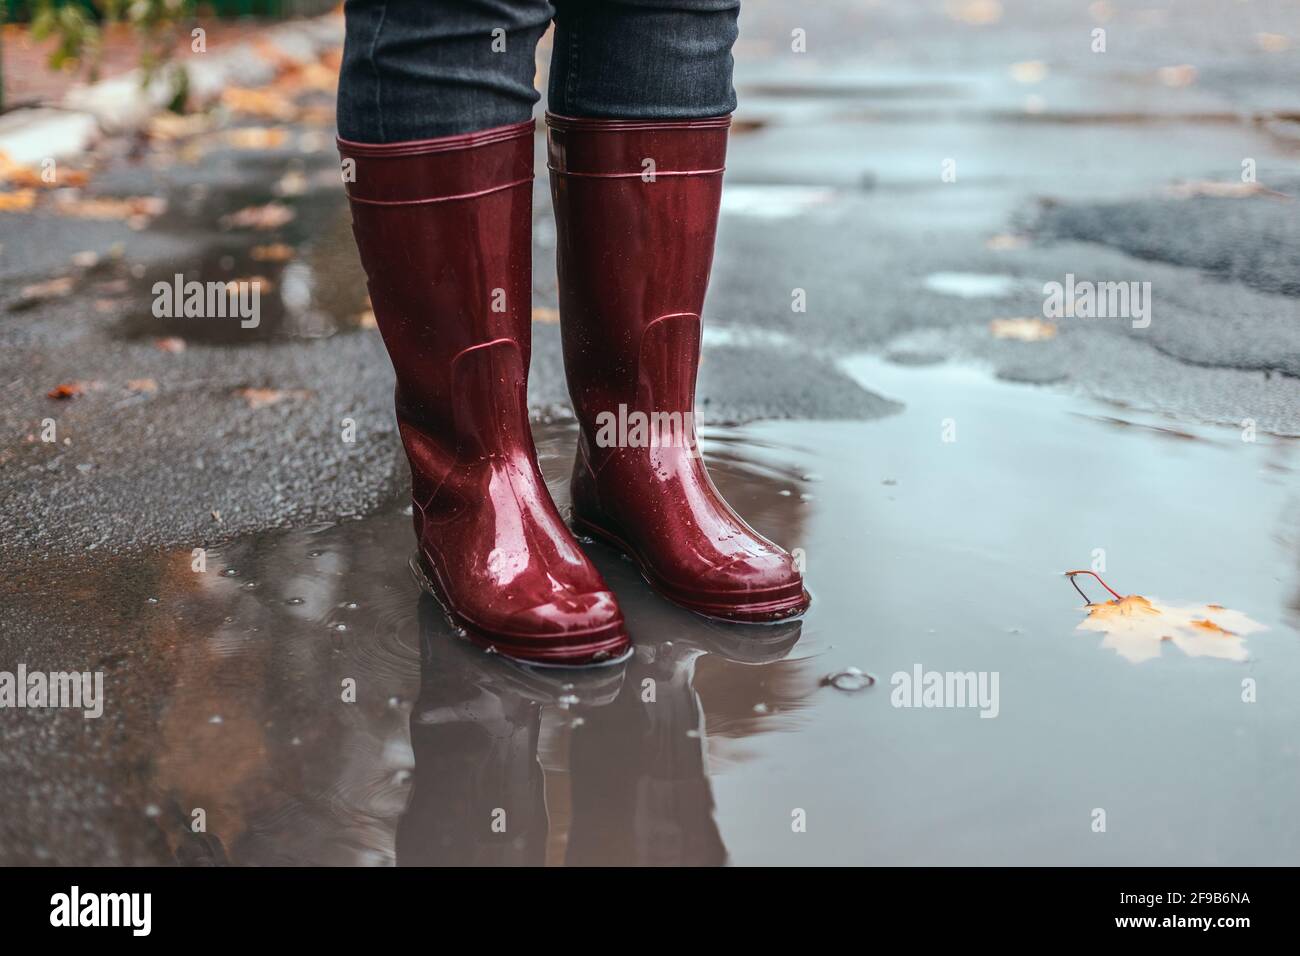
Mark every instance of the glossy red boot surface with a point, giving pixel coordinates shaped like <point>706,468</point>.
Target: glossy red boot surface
<point>443,227</point>
<point>636,207</point>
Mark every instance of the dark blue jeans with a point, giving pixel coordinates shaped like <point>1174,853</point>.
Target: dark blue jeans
<point>418,69</point>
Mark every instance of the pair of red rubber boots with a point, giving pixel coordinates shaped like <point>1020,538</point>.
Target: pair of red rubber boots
<point>444,231</point>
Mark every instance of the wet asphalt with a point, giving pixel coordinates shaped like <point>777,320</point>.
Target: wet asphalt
<point>836,194</point>
<point>1066,162</point>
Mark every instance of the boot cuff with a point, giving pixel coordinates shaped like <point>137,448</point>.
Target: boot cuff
<point>437,170</point>
<point>619,148</point>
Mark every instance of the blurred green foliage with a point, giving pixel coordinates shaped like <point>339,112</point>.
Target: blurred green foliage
<point>78,28</point>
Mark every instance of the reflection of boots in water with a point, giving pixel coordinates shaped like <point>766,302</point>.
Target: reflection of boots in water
<point>640,794</point>
<point>640,788</point>
<point>478,797</point>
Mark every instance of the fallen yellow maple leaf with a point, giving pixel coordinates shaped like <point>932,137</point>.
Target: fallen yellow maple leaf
<point>1136,627</point>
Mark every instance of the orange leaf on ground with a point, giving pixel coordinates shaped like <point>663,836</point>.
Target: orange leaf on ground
<point>975,12</point>
<point>1023,329</point>
<point>38,178</point>
<point>169,127</point>
<point>50,289</point>
<point>260,397</point>
<point>66,390</point>
<point>1005,242</point>
<point>320,77</point>
<point>271,216</point>
<point>256,137</point>
<point>19,200</point>
<point>265,103</point>
<point>274,252</point>
<point>111,207</point>
<point>1184,74</point>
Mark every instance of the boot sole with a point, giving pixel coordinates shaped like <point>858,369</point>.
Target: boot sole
<point>757,612</point>
<point>604,647</point>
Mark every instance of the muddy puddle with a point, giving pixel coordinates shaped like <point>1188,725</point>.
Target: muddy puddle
<point>724,744</point>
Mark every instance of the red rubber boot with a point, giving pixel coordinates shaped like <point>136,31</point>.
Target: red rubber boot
<point>443,227</point>
<point>636,208</point>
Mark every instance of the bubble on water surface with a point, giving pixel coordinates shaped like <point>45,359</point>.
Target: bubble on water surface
<point>849,679</point>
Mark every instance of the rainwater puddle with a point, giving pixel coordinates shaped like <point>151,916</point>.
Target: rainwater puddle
<point>973,285</point>
<point>718,743</point>
<point>309,280</point>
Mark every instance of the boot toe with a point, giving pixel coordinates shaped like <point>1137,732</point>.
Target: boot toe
<point>567,614</point>
<point>570,630</point>
<point>765,570</point>
<point>758,586</point>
